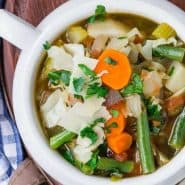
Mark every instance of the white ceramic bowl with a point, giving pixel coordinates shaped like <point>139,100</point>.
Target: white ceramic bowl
<point>30,40</point>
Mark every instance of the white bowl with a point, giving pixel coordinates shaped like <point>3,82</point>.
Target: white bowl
<point>30,40</point>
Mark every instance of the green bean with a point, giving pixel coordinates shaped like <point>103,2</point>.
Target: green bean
<point>144,145</point>
<point>170,52</point>
<point>177,136</point>
<point>61,138</point>
<point>108,164</point>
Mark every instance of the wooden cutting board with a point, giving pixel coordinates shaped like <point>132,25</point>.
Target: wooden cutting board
<point>32,11</point>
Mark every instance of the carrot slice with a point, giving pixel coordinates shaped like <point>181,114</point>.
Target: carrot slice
<point>115,125</point>
<point>120,143</point>
<point>118,67</point>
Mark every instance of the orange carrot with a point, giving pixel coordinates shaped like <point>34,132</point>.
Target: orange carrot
<point>115,125</point>
<point>118,67</point>
<point>120,143</point>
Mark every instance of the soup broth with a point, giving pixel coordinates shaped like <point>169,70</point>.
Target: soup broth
<point>110,94</point>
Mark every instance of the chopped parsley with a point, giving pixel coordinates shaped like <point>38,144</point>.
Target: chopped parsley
<point>92,163</point>
<point>67,154</point>
<point>154,112</point>
<point>171,71</point>
<point>110,61</point>
<point>98,120</point>
<point>59,76</point>
<point>46,45</point>
<point>87,71</point>
<point>134,87</point>
<point>100,14</point>
<point>114,113</point>
<point>89,133</point>
<point>112,125</point>
<point>123,37</point>
<point>96,89</point>
<point>78,84</point>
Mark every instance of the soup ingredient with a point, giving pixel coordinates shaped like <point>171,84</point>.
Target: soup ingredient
<point>90,110</point>
<point>114,113</point>
<point>152,83</point>
<point>87,71</point>
<point>108,164</point>
<point>83,68</point>
<point>176,102</point>
<point>96,89</point>
<point>144,145</point>
<point>46,45</point>
<point>76,34</point>
<point>117,44</point>
<point>109,27</point>
<point>84,148</point>
<point>89,133</point>
<point>53,109</point>
<point>134,87</point>
<point>169,52</point>
<point>154,111</point>
<point>75,49</point>
<point>98,46</point>
<point>115,125</point>
<point>110,61</point>
<point>177,137</point>
<point>171,71</point>
<point>133,105</point>
<point>114,78</point>
<point>100,14</point>
<point>61,138</point>
<point>59,76</point>
<point>113,97</point>
<point>60,59</point>
<point>164,31</point>
<point>67,154</point>
<point>119,143</point>
<point>78,84</point>
<point>177,79</point>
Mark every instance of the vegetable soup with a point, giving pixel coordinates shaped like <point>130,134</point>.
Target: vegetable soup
<point>110,94</point>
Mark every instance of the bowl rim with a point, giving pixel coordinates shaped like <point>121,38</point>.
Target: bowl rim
<point>25,115</point>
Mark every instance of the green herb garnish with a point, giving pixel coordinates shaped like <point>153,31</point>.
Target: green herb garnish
<point>93,162</point>
<point>46,45</point>
<point>100,14</point>
<point>79,97</point>
<point>96,89</point>
<point>114,113</point>
<point>78,84</point>
<point>59,76</point>
<point>154,112</point>
<point>87,71</point>
<point>67,154</point>
<point>112,125</point>
<point>123,37</point>
<point>134,87</point>
<point>110,61</point>
<point>98,120</point>
<point>171,71</point>
<point>89,133</point>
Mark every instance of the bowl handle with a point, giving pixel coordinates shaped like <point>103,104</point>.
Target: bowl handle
<point>17,31</point>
